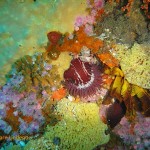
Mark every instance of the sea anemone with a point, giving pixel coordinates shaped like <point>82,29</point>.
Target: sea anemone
<point>82,79</point>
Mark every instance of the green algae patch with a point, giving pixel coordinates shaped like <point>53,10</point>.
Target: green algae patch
<point>79,129</point>
<point>135,63</point>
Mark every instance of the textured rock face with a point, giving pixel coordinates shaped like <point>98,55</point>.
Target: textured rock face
<point>122,28</point>
<point>131,34</point>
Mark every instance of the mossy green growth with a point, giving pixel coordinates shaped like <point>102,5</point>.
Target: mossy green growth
<point>135,63</point>
<point>79,129</point>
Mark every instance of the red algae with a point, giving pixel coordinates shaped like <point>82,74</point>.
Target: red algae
<point>54,37</point>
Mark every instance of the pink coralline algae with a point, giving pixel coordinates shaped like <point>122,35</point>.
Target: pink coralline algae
<point>89,20</point>
<point>97,4</point>
<point>82,78</point>
<point>86,21</point>
<point>88,29</point>
<point>19,107</point>
<point>137,134</point>
<point>24,99</point>
<point>19,112</point>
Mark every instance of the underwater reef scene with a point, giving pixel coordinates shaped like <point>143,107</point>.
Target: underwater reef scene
<point>88,89</point>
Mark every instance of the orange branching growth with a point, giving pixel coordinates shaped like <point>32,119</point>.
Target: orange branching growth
<point>99,13</point>
<point>14,120</point>
<point>59,94</point>
<point>145,6</point>
<point>118,1</point>
<point>80,39</point>
<point>109,60</point>
<point>128,7</point>
<point>27,119</point>
<point>10,118</point>
<point>110,1</point>
<point>107,81</point>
